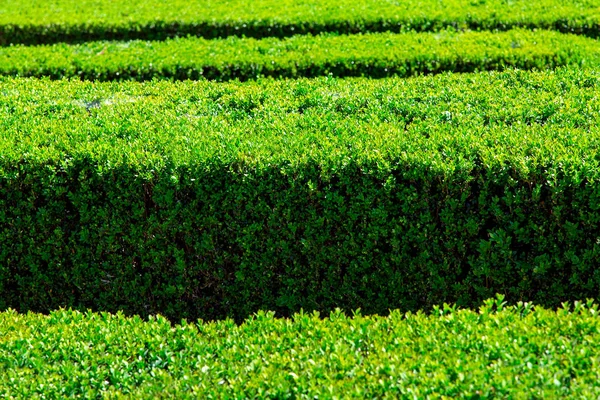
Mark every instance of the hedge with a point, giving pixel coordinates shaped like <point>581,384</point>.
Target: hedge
<point>373,55</point>
<point>199,199</point>
<point>34,22</point>
<point>495,352</point>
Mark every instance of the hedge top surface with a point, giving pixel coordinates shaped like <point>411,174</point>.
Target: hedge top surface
<point>30,21</point>
<point>506,352</point>
<point>449,121</point>
<point>75,12</point>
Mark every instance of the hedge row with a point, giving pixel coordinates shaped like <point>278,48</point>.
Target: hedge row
<point>373,55</point>
<point>198,199</point>
<point>34,22</point>
<point>497,352</point>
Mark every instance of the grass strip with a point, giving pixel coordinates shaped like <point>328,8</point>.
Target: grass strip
<point>495,352</point>
<point>203,199</point>
<point>372,55</point>
<point>32,22</point>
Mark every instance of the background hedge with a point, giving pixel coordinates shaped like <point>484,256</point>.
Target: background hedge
<point>373,55</point>
<point>34,22</point>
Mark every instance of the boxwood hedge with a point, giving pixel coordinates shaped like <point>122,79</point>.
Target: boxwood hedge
<point>495,352</point>
<point>373,55</point>
<point>51,21</point>
<point>197,199</point>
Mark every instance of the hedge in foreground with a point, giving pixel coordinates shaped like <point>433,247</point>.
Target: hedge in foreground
<point>35,22</point>
<point>497,352</point>
<point>198,199</point>
<point>373,55</point>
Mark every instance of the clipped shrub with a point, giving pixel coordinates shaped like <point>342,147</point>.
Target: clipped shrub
<point>32,22</point>
<point>372,55</point>
<point>498,351</point>
<point>198,199</point>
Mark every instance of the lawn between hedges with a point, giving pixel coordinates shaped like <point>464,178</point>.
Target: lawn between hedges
<point>372,55</point>
<point>31,22</point>
<point>495,352</point>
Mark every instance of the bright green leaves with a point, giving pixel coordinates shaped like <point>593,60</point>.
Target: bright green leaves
<point>372,55</point>
<point>500,350</point>
<point>31,22</point>
<point>200,199</point>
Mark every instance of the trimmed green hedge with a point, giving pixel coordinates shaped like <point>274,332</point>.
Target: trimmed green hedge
<point>35,22</point>
<point>497,352</point>
<point>198,199</point>
<point>373,55</point>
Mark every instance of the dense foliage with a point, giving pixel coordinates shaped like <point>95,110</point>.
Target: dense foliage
<point>373,55</point>
<point>35,22</point>
<point>497,352</point>
<point>220,200</point>
<point>199,199</point>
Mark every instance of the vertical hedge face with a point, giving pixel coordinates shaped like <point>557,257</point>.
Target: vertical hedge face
<point>203,200</point>
<point>232,243</point>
